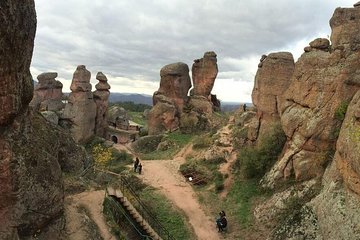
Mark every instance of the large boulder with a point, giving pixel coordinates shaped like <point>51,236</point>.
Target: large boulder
<point>322,82</point>
<point>48,93</point>
<point>101,97</point>
<point>81,108</point>
<point>271,81</point>
<point>204,72</point>
<point>163,117</point>
<point>174,84</point>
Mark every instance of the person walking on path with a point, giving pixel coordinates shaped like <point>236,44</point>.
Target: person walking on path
<point>139,168</point>
<point>136,163</point>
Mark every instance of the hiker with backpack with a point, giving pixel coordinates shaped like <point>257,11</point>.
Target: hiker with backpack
<point>221,221</point>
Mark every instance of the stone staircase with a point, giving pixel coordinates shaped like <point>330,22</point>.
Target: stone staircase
<point>133,212</point>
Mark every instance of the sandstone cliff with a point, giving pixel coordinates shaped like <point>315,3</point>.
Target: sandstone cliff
<point>32,153</point>
<point>325,78</point>
<point>271,81</point>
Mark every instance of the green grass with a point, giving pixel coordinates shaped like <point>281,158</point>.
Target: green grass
<point>169,217</point>
<point>137,117</point>
<point>176,140</point>
<point>240,198</point>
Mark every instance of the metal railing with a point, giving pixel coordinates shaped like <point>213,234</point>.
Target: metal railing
<point>134,198</point>
<point>118,209</point>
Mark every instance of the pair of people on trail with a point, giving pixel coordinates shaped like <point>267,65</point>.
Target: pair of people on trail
<point>221,221</point>
<point>137,166</point>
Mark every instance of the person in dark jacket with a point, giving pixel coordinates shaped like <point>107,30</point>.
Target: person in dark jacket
<point>221,222</point>
<point>136,163</point>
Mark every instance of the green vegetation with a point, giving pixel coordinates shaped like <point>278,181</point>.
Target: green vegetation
<point>107,157</point>
<point>170,217</point>
<point>164,147</point>
<point>240,199</point>
<point>340,111</point>
<point>205,171</point>
<point>132,107</point>
<point>255,161</point>
<point>137,117</point>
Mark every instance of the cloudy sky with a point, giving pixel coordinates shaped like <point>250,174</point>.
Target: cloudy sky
<point>131,40</point>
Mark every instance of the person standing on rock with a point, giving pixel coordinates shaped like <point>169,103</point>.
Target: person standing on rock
<point>244,107</point>
<point>136,163</point>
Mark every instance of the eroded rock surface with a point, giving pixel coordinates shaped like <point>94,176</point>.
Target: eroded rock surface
<point>81,108</point>
<point>101,97</point>
<point>47,93</point>
<point>321,83</point>
<point>32,152</point>
<point>271,81</point>
<point>204,72</point>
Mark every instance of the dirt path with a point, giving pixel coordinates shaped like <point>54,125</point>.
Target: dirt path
<point>163,174</point>
<point>79,224</point>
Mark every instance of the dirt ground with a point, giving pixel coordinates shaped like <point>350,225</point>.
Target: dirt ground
<point>163,175</point>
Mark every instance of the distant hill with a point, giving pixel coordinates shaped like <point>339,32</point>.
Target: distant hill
<point>131,97</point>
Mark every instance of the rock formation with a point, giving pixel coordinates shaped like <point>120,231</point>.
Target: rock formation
<point>101,96</point>
<point>173,108</point>
<point>47,93</point>
<point>337,206</point>
<point>32,153</point>
<point>169,100</point>
<point>204,72</point>
<point>323,80</point>
<point>271,81</point>
<point>81,108</point>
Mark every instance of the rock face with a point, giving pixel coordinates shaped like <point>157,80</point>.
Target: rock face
<point>17,43</point>
<point>174,84</point>
<point>48,93</point>
<point>32,153</point>
<point>169,100</point>
<point>101,96</point>
<point>271,81</point>
<point>347,156</point>
<point>321,83</point>
<point>81,108</point>
<point>204,72</point>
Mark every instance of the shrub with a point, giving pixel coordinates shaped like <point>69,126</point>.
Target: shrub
<point>147,144</point>
<point>202,142</point>
<point>341,111</point>
<point>255,161</point>
<point>101,155</point>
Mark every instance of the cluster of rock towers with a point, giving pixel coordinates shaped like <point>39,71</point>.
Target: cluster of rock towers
<point>84,113</point>
<point>173,108</point>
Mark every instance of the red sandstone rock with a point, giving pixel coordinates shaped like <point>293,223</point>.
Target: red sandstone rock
<point>81,108</point>
<point>204,72</point>
<point>101,96</point>
<point>271,82</point>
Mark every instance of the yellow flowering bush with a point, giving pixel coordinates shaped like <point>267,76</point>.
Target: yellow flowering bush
<point>102,155</point>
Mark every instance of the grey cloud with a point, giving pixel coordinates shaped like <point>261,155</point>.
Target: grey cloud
<point>137,38</point>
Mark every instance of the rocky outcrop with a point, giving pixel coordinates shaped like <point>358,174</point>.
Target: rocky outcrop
<point>174,84</point>
<point>101,96</point>
<point>48,93</point>
<point>169,100</point>
<point>271,81</point>
<point>163,116</point>
<point>16,48</point>
<point>321,83</point>
<point>204,72</point>
<point>81,108</point>
<point>32,153</point>
<point>347,156</point>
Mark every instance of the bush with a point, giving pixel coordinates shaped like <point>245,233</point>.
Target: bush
<point>147,144</point>
<point>202,142</point>
<point>256,161</point>
<point>341,111</point>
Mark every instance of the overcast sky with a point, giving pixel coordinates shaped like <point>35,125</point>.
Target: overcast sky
<point>130,41</point>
